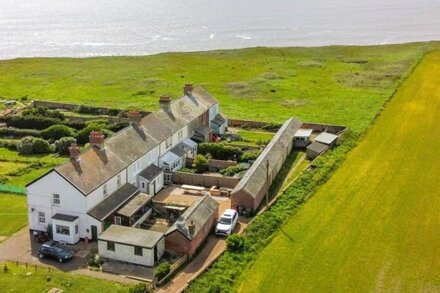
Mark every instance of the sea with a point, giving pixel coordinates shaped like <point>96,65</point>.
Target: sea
<point>84,28</point>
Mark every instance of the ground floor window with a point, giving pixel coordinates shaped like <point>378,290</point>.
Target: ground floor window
<point>41,218</point>
<point>138,250</point>
<point>110,246</point>
<point>63,230</point>
<point>76,229</point>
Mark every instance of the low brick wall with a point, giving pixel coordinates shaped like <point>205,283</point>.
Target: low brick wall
<point>203,180</point>
<point>320,127</point>
<point>214,165</point>
<point>246,123</point>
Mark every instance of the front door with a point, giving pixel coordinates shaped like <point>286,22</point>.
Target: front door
<point>94,233</point>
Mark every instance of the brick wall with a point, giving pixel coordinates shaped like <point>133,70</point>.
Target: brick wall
<point>203,180</point>
<point>214,165</point>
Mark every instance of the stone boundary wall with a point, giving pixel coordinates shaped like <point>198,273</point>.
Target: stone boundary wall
<point>204,180</point>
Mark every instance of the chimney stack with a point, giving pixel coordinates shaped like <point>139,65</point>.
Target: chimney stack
<point>96,139</point>
<point>135,117</point>
<point>74,152</point>
<point>164,101</point>
<point>187,89</point>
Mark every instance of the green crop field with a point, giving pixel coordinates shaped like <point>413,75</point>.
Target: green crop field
<point>342,85</point>
<point>20,279</point>
<point>13,213</point>
<point>374,226</point>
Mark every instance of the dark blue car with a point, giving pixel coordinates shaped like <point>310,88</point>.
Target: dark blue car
<point>53,250</point>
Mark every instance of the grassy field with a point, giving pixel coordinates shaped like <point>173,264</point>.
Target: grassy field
<point>17,279</point>
<point>13,213</point>
<point>374,225</point>
<point>343,85</point>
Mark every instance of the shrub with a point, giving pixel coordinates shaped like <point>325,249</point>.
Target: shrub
<point>248,156</point>
<point>57,131</point>
<point>88,110</point>
<point>138,288</point>
<point>231,170</point>
<point>220,151</point>
<point>271,126</point>
<point>33,145</point>
<point>162,270</point>
<point>200,163</point>
<point>10,144</point>
<point>235,243</point>
<point>18,133</point>
<point>5,268</point>
<point>62,145</point>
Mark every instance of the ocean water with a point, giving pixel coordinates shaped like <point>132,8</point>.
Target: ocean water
<point>81,28</point>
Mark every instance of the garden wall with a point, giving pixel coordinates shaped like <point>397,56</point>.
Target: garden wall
<point>214,165</point>
<point>203,180</point>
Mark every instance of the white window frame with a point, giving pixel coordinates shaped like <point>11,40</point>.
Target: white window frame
<point>41,218</point>
<point>56,199</point>
<point>104,190</point>
<point>60,228</point>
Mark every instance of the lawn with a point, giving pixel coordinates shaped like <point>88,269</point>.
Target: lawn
<point>341,85</point>
<point>255,135</point>
<point>13,214</point>
<point>374,226</point>
<point>20,279</point>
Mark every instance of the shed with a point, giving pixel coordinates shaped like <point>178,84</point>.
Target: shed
<point>219,124</point>
<point>132,245</point>
<point>315,149</point>
<point>135,211</point>
<point>326,138</point>
<point>192,227</point>
<point>302,137</point>
<point>252,187</point>
<point>151,179</point>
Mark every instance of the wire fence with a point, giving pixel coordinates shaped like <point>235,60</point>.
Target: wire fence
<point>12,189</point>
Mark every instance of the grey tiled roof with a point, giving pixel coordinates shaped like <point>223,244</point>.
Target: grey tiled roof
<point>131,236</point>
<point>254,179</point>
<point>95,167</point>
<point>151,172</point>
<point>113,202</point>
<point>199,213</point>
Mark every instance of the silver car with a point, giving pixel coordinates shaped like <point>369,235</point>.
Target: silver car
<point>227,223</point>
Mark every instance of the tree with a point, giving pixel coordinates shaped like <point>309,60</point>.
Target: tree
<point>57,131</point>
<point>62,145</point>
<point>200,163</point>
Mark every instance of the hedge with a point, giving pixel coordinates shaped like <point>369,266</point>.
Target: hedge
<point>29,121</point>
<point>57,131</point>
<point>18,133</point>
<point>220,151</point>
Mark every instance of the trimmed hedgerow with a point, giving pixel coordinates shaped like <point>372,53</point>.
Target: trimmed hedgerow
<point>18,133</point>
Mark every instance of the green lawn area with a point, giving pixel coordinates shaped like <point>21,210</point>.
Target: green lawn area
<point>13,214</point>
<point>12,161</point>
<point>341,85</point>
<point>374,226</point>
<point>255,135</point>
<point>15,280</point>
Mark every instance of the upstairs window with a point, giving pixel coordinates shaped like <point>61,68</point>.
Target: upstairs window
<point>41,218</point>
<point>104,190</point>
<point>56,199</point>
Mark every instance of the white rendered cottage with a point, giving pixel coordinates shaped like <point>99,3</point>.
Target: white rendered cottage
<point>80,197</point>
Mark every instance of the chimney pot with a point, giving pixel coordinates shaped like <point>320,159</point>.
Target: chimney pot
<point>74,151</point>
<point>96,139</point>
<point>164,101</point>
<point>135,117</point>
<point>187,89</point>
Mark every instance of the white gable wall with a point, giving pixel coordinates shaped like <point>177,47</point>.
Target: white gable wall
<point>40,199</point>
<point>96,196</point>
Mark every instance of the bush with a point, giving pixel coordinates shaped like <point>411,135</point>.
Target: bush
<point>33,145</point>
<point>200,163</point>
<point>88,110</point>
<point>9,144</point>
<point>232,170</point>
<point>62,145</point>
<point>162,270</point>
<point>220,151</point>
<point>138,288</point>
<point>57,131</point>
<point>18,133</point>
<point>235,243</point>
<point>248,156</point>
